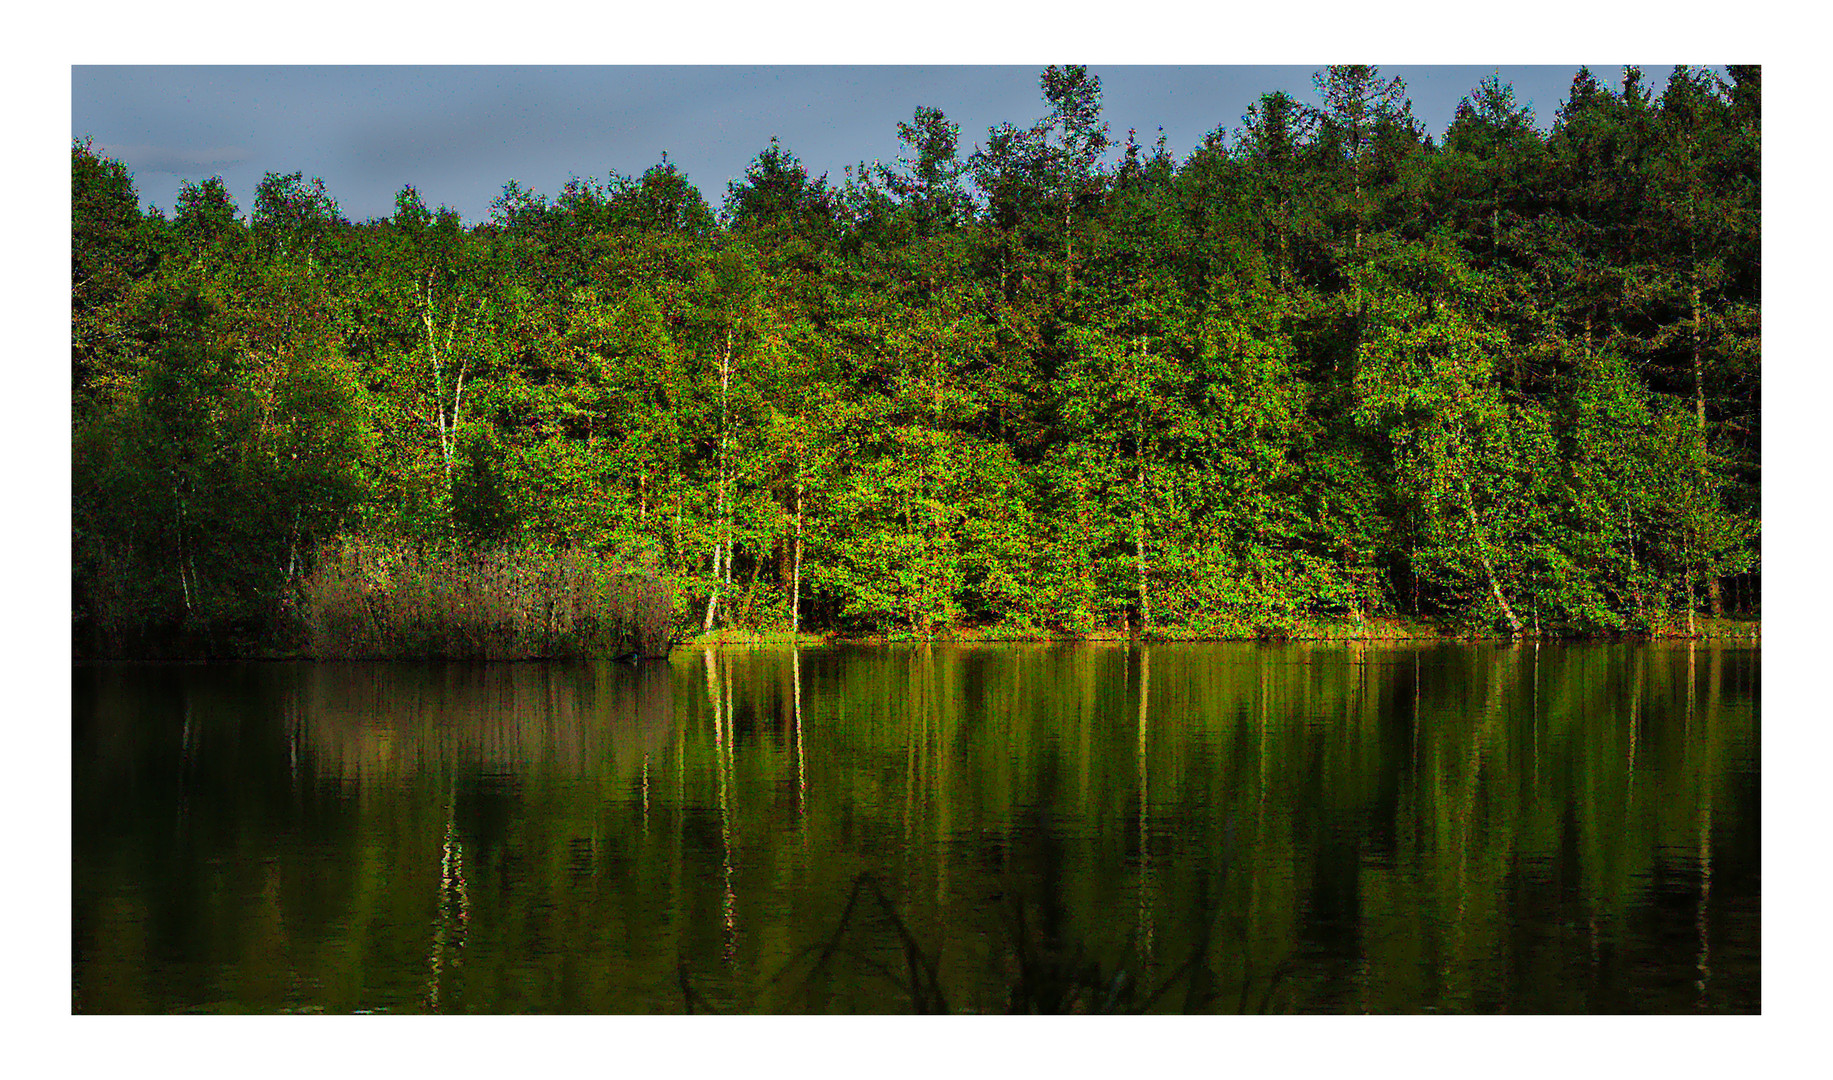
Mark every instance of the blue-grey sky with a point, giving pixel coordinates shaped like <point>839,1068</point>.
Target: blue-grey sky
<point>459,133</point>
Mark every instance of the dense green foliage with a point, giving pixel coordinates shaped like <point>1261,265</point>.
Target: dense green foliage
<point>1325,367</point>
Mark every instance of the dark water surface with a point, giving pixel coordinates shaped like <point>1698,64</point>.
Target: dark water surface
<point>1213,827</point>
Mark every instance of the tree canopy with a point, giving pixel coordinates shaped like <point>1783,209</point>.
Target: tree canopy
<point>1324,367</point>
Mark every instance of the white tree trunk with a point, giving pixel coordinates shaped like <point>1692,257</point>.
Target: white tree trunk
<point>722,532</point>
<point>1139,546</point>
<point>446,421</point>
<point>1495,587</point>
<point>795,573</point>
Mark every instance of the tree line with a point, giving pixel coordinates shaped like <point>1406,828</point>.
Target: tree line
<point>1325,367</point>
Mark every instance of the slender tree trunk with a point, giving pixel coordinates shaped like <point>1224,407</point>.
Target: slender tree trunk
<point>795,574</point>
<point>1495,587</point>
<point>1699,377</point>
<point>1358,222</point>
<point>725,451</point>
<point>1355,172</point>
<point>721,527</point>
<point>1713,597</point>
<point>458,397</point>
<point>1139,538</point>
<point>184,587</point>
<point>428,320</point>
<point>1356,291</point>
<point>1699,384</point>
<point>448,424</point>
<point>712,600</point>
<point>1692,581</point>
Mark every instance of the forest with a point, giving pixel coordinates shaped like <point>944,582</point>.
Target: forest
<point>1327,369</point>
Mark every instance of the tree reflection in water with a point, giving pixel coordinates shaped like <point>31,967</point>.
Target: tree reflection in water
<point>1091,828</point>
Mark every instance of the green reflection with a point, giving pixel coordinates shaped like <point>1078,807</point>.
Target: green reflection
<point>1218,827</point>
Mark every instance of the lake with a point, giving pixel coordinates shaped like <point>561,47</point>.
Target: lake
<point>1230,827</point>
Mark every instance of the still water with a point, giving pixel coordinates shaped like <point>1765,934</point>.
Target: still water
<point>1201,827</point>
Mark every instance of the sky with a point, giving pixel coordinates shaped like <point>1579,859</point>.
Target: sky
<point>459,133</point>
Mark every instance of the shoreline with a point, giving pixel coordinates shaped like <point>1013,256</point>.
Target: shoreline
<point>1717,631</point>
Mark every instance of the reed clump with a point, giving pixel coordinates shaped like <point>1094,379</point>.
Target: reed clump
<point>380,599</point>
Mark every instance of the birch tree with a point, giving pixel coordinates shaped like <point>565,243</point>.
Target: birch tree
<point>1425,384</point>
<point>448,283</point>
